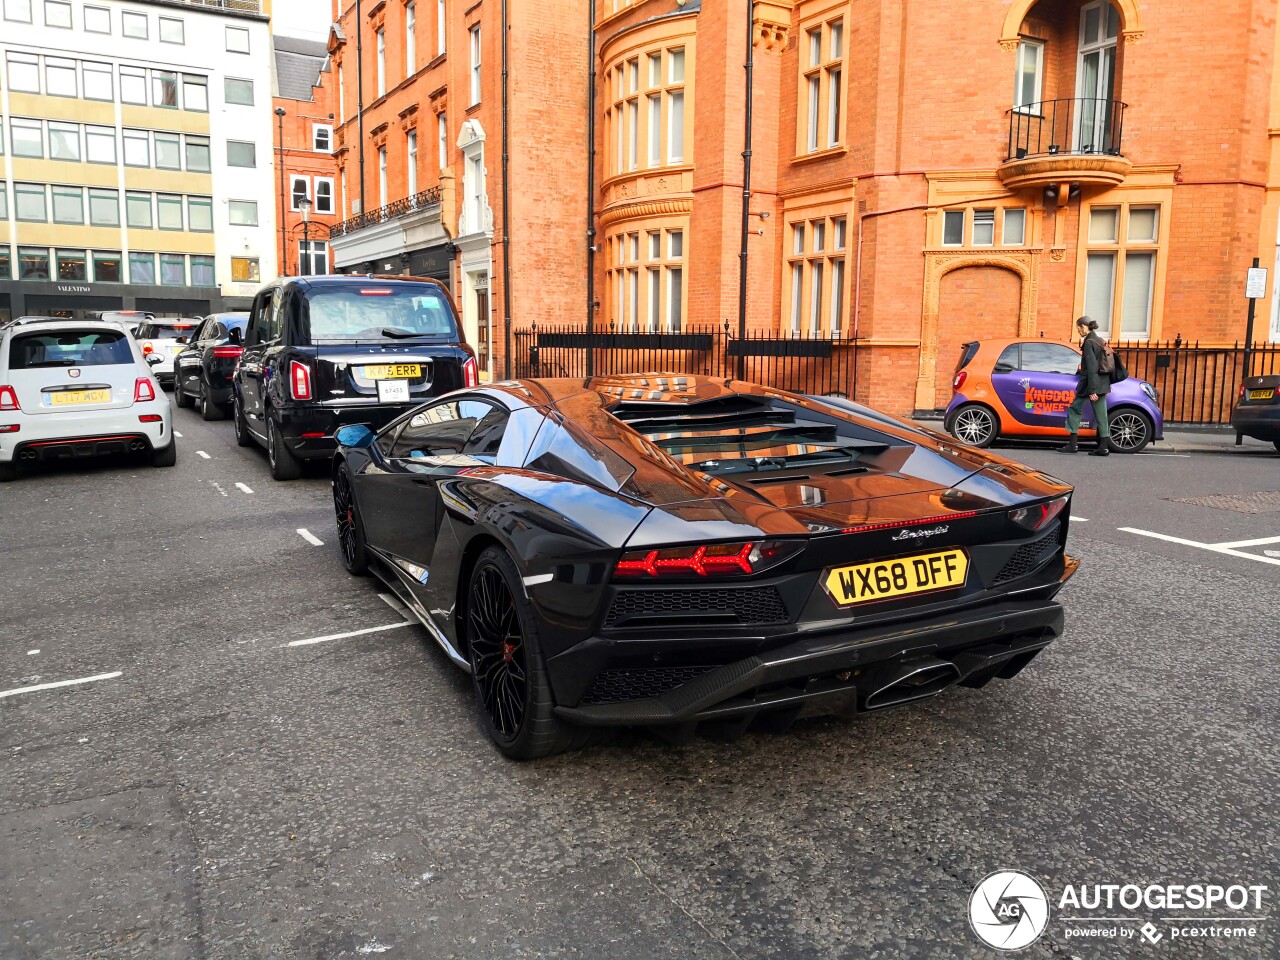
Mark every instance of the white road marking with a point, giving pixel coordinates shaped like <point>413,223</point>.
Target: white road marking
<point>177,434</point>
<point>393,603</point>
<point>1249,543</point>
<point>201,453</point>
<point>244,488</point>
<point>59,683</point>
<point>1079,519</point>
<point>1212,547</point>
<point>32,653</point>
<point>352,633</point>
<point>1184,456</point>
<point>310,537</point>
<point>217,486</point>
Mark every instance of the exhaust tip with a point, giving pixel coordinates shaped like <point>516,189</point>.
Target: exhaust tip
<point>907,681</point>
<point>137,446</point>
<point>27,455</point>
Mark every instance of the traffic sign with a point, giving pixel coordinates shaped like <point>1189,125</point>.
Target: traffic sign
<point>1255,288</point>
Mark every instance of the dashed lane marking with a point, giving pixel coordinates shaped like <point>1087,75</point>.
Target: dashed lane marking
<point>201,453</point>
<point>241,486</point>
<point>177,434</point>
<point>310,537</point>
<point>350,633</point>
<point>59,683</point>
<point>1223,548</point>
<point>32,653</point>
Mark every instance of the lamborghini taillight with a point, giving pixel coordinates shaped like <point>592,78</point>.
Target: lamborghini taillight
<point>1038,515</point>
<point>705,560</point>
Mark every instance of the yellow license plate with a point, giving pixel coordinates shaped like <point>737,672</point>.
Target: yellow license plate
<point>900,577</point>
<point>1262,394</point>
<point>392,371</point>
<point>65,398</point>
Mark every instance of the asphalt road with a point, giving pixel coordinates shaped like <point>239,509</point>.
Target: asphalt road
<point>228,795</point>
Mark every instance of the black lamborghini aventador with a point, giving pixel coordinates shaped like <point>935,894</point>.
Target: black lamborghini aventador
<point>683,551</point>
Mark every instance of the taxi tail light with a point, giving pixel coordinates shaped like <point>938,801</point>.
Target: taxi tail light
<point>227,353</point>
<point>143,391</point>
<point>959,379</point>
<point>8,399</point>
<point>147,348</point>
<point>1039,515</point>
<point>470,373</point>
<point>299,380</point>
<point>705,560</point>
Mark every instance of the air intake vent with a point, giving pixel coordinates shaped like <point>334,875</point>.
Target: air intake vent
<point>616,686</point>
<point>697,606</point>
<point>1030,557</point>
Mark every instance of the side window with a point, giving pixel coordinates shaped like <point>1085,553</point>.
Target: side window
<point>486,438</point>
<point>275,315</point>
<point>216,331</point>
<point>1010,356</point>
<point>441,430</point>
<point>1049,358</point>
<point>256,331</point>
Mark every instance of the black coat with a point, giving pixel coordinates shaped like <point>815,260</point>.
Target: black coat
<point>1092,380</point>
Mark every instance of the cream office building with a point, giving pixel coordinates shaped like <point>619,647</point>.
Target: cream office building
<point>135,156</point>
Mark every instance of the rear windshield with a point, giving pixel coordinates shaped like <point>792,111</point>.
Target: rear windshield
<point>162,330</point>
<point>69,348</point>
<point>377,312</point>
<point>967,353</point>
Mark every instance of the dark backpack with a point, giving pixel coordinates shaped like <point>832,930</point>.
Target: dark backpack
<point>1110,365</point>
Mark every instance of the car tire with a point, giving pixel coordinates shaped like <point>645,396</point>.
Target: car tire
<point>180,396</point>
<point>208,409</point>
<point>1130,430</point>
<point>8,472</point>
<point>165,456</point>
<point>506,658</point>
<point>975,425</point>
<point>1276,443</point>
<point>243,437</point>
<point>351,542</point>
<point>284,465</point>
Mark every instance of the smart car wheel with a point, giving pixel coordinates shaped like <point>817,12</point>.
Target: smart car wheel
<point>350,530</point>
<point>284,465</point>
<point>1130,431</point>
<point>506,664</point>
<point>974,425</point>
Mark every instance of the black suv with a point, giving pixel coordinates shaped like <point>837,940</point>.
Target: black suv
<point>324,352</point>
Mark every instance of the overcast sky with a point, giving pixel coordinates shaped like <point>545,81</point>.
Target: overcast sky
<point>308,19</point>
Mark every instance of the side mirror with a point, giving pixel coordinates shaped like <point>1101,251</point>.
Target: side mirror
<point>354,435</point>
<point>154,358</point>
<point>179,339</point>
<point>235,336</point>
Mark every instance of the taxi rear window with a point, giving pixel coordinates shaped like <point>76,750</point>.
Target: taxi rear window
<point>69,348</point>
<point>153,330</point>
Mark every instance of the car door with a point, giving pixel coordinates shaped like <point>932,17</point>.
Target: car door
<point>399,497</point>
<point>1048,381</point>
<point>251,378</point>
<point>186,365</point>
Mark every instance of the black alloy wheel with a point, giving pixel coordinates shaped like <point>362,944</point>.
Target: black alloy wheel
<point>351,544</point>
<point>208,409</point>
<point>238,423</point>
<point>284,465</point>
<point>507,668</point>
<point>179,395</point>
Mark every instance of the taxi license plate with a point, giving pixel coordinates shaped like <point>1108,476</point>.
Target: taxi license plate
<point>391,371</point>
<point>1262,394</point>
<point>900,577</point>
<point>65,398</point>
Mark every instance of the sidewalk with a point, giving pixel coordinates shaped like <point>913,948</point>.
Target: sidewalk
<point>1207,440</point>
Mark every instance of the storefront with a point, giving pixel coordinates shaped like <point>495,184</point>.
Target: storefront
<point>82,301</point>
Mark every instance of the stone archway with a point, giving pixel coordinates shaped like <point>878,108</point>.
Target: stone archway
<point>1131,27</point>
<point>937,265</point>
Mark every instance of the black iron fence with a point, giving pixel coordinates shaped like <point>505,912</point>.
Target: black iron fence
<point>1083,125</point>
<point>1197,383</point>
<point>399,208</point>
<point>803,363</point>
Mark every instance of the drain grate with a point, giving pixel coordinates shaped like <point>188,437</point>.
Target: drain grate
<point>1264,501</point>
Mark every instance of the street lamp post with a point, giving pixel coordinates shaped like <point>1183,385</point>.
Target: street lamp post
<point>304,207</point>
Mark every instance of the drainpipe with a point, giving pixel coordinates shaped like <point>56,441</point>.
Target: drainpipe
<point>591,189</point>
<point>284,243</point>
<point>746,190</point>
<point>360,97</point>
<point>506,205</point>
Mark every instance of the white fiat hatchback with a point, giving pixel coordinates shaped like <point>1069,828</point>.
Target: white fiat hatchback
<point>78,388</point>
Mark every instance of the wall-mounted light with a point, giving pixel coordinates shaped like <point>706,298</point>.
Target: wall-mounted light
<point>762,214</point>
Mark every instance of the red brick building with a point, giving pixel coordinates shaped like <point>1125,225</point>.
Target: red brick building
<point>303,126</point>
<point>919,177</point>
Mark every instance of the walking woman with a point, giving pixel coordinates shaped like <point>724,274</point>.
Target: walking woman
<point>1093,388</point>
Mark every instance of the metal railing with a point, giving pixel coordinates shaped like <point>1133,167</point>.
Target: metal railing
<point>1078,126</point>
<point>238,6</point>
<point>1197,383</point>
<point>802,363</point>
<point>392,211</point>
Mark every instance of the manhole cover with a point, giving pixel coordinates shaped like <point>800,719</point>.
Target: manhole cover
<point>1264,501</point>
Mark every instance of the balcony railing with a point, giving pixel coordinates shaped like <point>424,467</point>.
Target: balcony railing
<point>392,211</point>
<point>1083,126</point>
<point>236,6</point>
